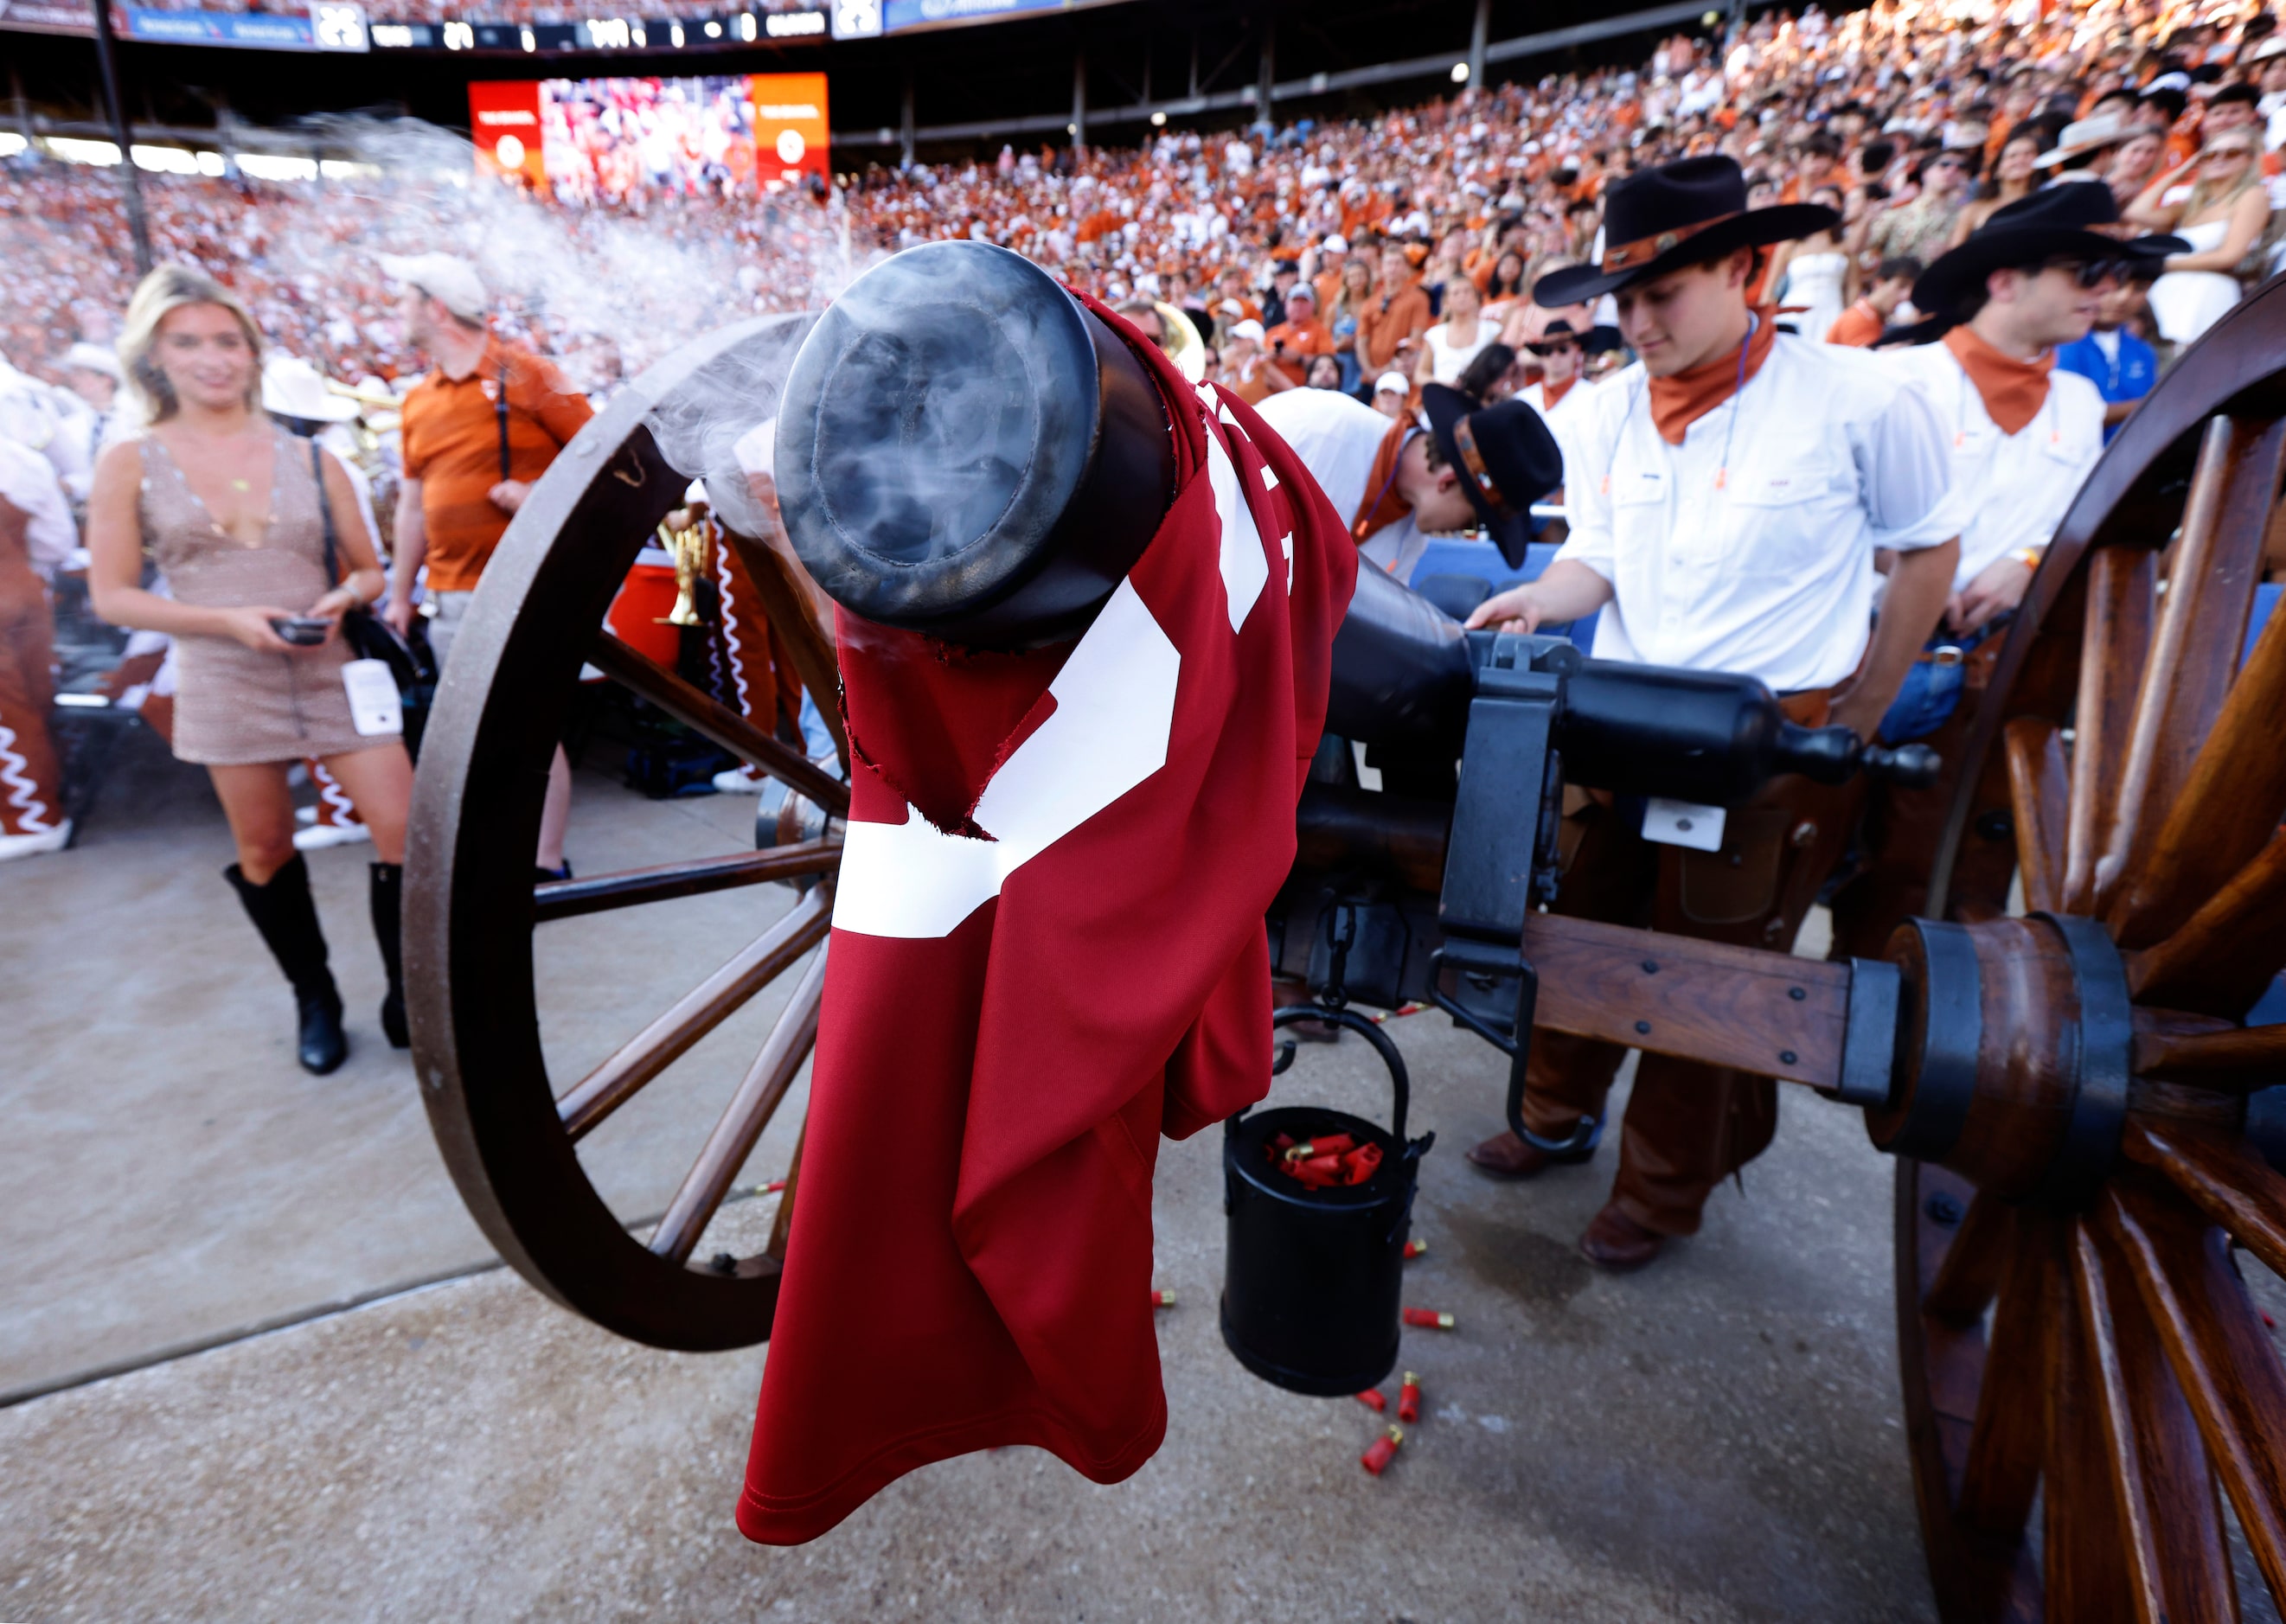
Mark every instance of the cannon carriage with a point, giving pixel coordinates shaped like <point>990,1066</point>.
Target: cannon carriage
<point>2083,1121</point>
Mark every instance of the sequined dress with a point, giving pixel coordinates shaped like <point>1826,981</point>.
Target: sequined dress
<point>235,705</point>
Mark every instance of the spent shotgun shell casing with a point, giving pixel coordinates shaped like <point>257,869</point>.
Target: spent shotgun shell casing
<point>1409,1398</point>
<point>1415,1248</point>
<point>1162,1299</point>
<point>1382,1451</point>
<point>1371,1400</point>
<point>1429,1319</point>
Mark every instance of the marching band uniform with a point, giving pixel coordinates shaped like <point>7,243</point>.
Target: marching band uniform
<point>2023,435</point>
<point>35,536</point>
<point>1734,509</point>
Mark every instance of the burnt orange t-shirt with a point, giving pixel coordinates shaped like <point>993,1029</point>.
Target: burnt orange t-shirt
<point>452,429</point>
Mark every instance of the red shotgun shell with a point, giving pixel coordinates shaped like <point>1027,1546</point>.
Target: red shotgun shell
<point>1382,1451</point>
<point>1371,1400</point>
<point>1414,1248</point>
<point>1162,1299</point>
<point>1429,1318</point>
<point>1409,1398</point>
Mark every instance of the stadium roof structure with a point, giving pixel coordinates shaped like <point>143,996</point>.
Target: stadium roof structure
<point>941,78</point>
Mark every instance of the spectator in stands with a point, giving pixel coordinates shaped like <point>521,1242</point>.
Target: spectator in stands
<point>1392,395</point>
<point>2013,176</point>
<point>2222,218</point>
<point>2113,357</point>
<point>1297,340</point>
<point>1391,322</point>
<point>1246,370</point>
<point>1922,228</point>
<point>233,510</point>
<point>1325,373</point>
<point>1450,345</point>
<point>485,421</point>
<point>1869,316</point>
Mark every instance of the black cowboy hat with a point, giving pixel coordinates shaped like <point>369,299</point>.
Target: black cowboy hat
<point>1680,213</point>
<point>1505,456</point>
<point>2057,222</point>
<point>1595,341</point>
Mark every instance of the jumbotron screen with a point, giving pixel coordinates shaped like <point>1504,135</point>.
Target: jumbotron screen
<point>587,139</point>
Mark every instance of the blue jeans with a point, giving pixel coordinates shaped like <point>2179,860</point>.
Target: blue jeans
<point>1931,692</point>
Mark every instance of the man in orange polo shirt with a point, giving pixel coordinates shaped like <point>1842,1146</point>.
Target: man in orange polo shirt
<point>478,430</point>
<point>1293,341</point>
<point>1391,325</point>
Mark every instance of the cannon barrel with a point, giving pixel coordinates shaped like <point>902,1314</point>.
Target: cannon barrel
<point>965,449</point>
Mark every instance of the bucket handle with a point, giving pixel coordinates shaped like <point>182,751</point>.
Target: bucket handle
<point>1399,1084</point>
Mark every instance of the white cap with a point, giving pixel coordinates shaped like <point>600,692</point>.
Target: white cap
<point>94,357</point>
<point>1337,244</point>
<point>1393,383</point>
<point>453,283</point>
<point>293,388</point>
<point>1249,328</point>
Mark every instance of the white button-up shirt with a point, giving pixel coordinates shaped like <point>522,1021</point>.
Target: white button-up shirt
<point>2011,489</point>
<point>1564,419</point>
<point>1338,437</point>
<point>1749,547</point>
<point>30,485</point>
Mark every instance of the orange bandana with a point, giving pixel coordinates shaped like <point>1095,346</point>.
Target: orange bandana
<point>1553,392</point>
<point>2014,392</point>
<point>1681,399</point>
<point>1382,506</point>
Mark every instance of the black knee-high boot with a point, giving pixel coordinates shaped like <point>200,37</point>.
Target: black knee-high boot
<point>288,919</point>
<point>387,894</point>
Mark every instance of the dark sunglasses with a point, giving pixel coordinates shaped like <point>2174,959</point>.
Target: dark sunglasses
<point>2089,273</point>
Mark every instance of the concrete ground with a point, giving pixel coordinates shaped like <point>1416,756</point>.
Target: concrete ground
<point>1715,1438</point>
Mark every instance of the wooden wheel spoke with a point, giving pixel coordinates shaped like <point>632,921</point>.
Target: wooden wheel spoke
<point>787,600</point>
<point>2229,807</point>
<point>2210,589</point>
<point>2040,794</point>
<point>2226,954</point>
<point>2005,1446</point>
<point>2235,1060</point>
<point>1970,1275</point>
<point>704,1007</point>
<point>2217,1349</point>
<point>764,1087</point>
<point>2084,1562</point>
<point>2224,1178</point>
<point>707,717</point>
<point>562,899</point>
<point>2117,643</point>
<point>2159,1544</point>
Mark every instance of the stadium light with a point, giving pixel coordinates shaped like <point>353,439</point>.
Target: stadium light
<point>1159,119</point>
<point>675,34</point>
<point>713,29</point>
<point>1460,73</point>
<point>747,26</point>
<point>531,41</point>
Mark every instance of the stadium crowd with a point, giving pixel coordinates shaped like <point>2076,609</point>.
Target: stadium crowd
<point>1914,119</point>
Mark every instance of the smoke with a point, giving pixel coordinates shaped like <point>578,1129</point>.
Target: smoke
<point>612,289</point>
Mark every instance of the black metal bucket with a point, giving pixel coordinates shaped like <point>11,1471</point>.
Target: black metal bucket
<point>1312,1277</point>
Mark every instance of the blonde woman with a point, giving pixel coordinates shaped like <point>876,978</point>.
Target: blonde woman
<point>2221,219</point>
<point>1457,340</point>
<point>232,509</point>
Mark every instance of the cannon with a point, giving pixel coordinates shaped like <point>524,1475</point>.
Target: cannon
<point>2084,1121</point>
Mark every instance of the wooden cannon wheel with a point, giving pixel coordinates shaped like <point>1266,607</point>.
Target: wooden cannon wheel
<point>509,1133</point>
<point>2074,1328</point>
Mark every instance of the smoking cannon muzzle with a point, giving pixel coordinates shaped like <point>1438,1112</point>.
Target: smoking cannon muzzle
<point>965,449</point>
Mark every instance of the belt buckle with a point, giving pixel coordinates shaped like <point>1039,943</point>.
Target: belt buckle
<point>1947,654</point>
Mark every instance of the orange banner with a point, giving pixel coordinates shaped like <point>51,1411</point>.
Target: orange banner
<point>504,124</point>
<point>790,137</point>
